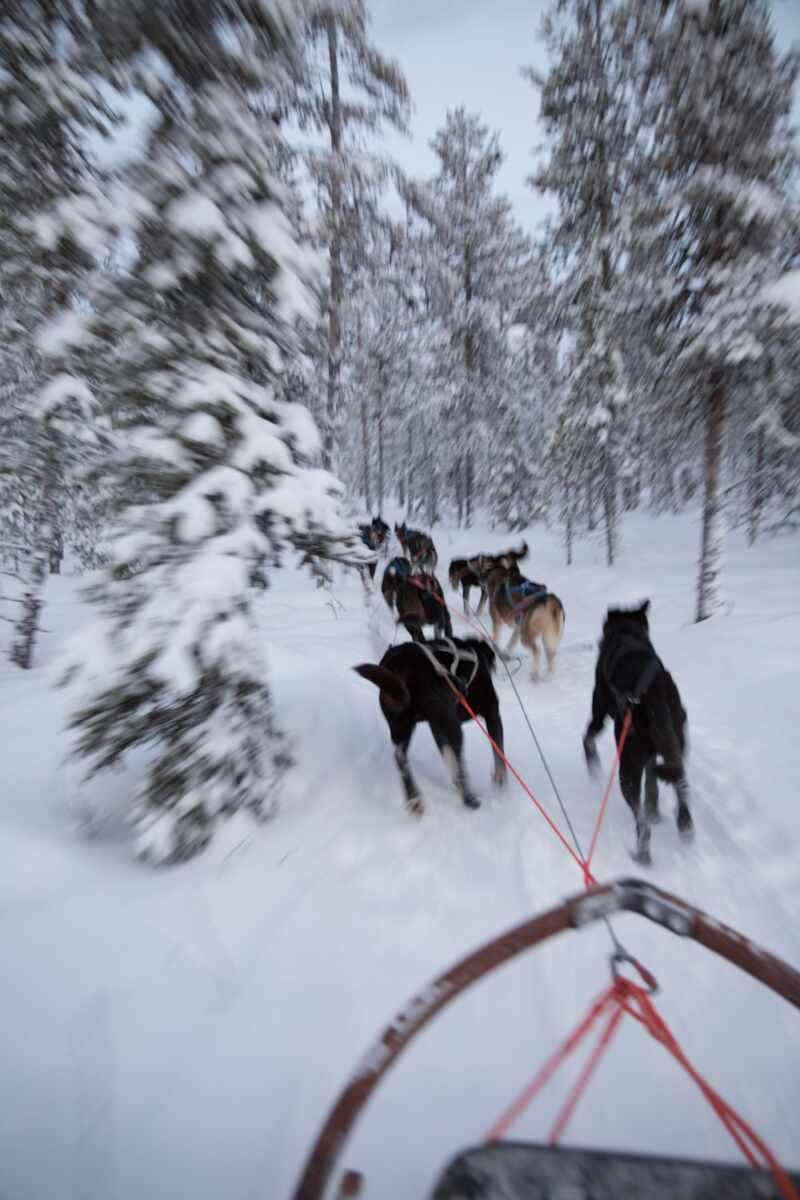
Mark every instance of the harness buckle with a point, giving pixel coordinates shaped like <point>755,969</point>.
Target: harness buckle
<point>620,957</point>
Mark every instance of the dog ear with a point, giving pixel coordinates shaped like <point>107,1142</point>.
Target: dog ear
<point>644,608</point>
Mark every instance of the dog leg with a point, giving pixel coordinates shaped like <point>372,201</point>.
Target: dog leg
<point>413,799</point>
<point>651,794</point>
<point>630,781</point>
<point>450,743</point>
<point>482,602</point>
<point>494,727</point>
<point>535,655</point>
<point>683,815</point>
<point>513,642</point>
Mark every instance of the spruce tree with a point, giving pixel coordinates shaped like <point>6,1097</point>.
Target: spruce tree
<point>211,468</point>
<point>348,91</point>
<point>713,206</point>
<point>48,108</point>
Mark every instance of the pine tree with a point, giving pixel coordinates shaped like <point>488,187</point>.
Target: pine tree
<point>587,114</point>
<point>477,257</point>
<point>211,468</point>
<point>713,204</point>
<point>349,91</point>
<point>45,260</point>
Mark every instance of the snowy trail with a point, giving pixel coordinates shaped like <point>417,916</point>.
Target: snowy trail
<point>183,1032</point>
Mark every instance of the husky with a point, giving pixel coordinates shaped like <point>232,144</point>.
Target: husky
<point>414,690</point>
<point>530,610</point>
<point>418,547</point>
<point>630,675</point>
<point>467,573</point>
<point>417,599</point>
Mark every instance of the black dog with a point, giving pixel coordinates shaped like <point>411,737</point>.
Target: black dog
<point>630,674</point>
<point>413,690</point>
<point>417,599</point>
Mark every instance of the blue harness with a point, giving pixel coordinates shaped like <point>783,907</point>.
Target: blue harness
<point>399,566</point>
<point>522,595</point>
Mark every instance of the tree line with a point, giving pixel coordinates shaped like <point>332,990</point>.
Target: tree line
<point>215,344</point>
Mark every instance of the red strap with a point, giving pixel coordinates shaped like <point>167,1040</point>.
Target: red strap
<point>626,724</point>
<point>624,996</point>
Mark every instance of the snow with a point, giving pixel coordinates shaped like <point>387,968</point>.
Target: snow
<point>64,390</point>
<point>183,1032</point>
<point>785,292</point>
<point>197,214</point>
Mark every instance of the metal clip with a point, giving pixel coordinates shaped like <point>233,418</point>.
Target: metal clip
<point>648,979</point>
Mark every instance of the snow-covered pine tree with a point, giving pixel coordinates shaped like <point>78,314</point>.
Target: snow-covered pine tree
<point>587,115</point>
<point>476,256</point>
<point>211,469</point>
<point>515,476</point>
<point>348,91</point>
<point>48,107</point>
<point>713,205</point>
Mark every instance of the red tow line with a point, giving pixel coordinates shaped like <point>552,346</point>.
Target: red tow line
<point>621,997</point>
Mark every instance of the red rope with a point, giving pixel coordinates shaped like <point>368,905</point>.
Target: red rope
<point>583,866</point>
<point>626,724</point>
<point>588,878</point>
<point>545,1073</point>
<point>624,996</point>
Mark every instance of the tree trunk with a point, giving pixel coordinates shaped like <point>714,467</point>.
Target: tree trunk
<point>365,452</point>
<point>336,280</point>
<point>409,467</point>
<point>709,599</point>
<point>381,492</point>
<point>469,483</point>
<point>568,532</point>
<point>610,509</point>
<point>756,488</point>
<point>433,493</point>
<point>56,552</point>
<point>591,524</point>
<point>459,490</point>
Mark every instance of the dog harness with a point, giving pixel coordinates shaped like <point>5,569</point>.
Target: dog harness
<point>457,656</point>
<point>399,566</point>
<point>630,643</point>
<point>522,595</point>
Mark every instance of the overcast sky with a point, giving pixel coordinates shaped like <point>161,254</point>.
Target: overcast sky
<point>469,52</point>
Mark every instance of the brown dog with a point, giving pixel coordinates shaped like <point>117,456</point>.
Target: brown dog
<point>467,573</point>
<point>530,610</point>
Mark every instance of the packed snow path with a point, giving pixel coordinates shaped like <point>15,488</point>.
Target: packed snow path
<point>183,1032</point>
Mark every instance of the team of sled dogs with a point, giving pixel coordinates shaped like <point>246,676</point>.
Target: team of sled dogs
<point>424,680</point>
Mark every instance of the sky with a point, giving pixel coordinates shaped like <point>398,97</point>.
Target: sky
<point>470,52</point>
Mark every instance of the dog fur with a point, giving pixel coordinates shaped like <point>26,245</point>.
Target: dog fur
<point>411,692</point>
<point>467,573</point>
<point>656,742</point>
<point>418,547</point>
<point>543,619</point>
<point>417,599</point>
<point>374,537</point>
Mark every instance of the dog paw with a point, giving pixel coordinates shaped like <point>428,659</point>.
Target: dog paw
<point>643,857</point>
<point>414,805</point>
<point>472,801</point>
<point>499,776</point>
<point>685,824</point>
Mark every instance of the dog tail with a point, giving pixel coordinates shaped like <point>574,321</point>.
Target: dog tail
<point>664,734</point>
<point>394,692</point>
<point>518,555</point>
